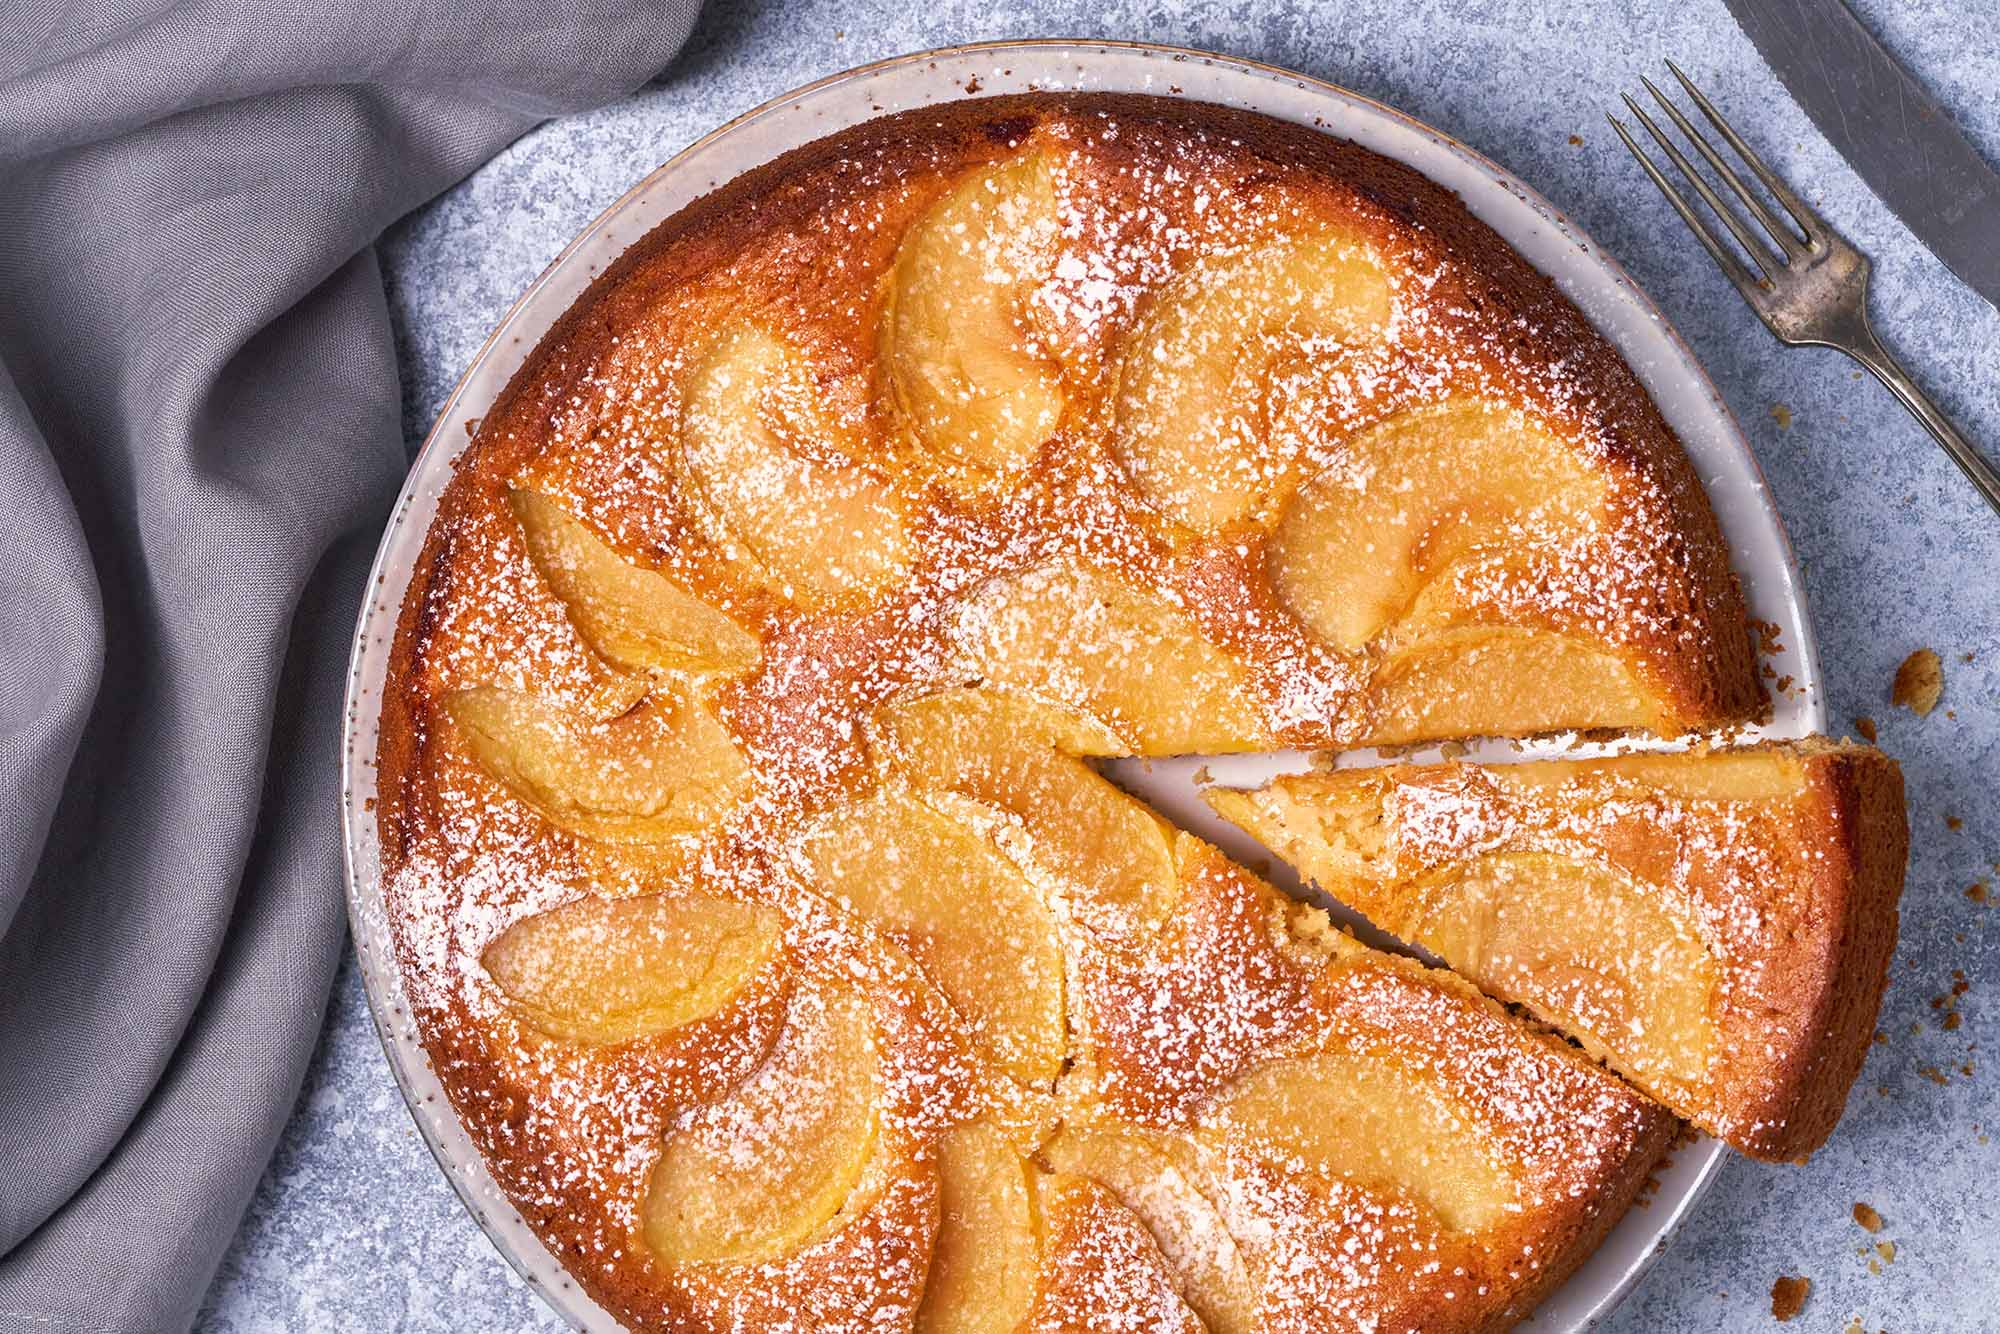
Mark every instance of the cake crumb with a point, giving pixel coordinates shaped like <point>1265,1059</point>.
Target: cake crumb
<point>1782,414</point>
<point>1919,682</point>
<point>1575,140</point>
<point>1788,1295</point>
<point>1977,892</point>
<point>1887,1250</point>
<point>1935,1075</point>
<point>1865,1215</point>
<point>1866,727</point>
<point>1953,823</point>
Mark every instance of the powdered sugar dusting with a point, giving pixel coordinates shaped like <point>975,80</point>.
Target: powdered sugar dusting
<point>910,415</point>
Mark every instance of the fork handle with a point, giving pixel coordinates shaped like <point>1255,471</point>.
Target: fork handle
<point>1867,349</point>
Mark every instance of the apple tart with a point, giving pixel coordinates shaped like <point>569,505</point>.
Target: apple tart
<point>759,901</point>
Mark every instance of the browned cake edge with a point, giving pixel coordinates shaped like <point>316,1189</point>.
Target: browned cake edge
<point>1843,967</point>
<point>1573,1235</point>
<point>1576,1238</point>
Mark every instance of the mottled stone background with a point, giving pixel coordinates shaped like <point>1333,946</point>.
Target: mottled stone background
<point>355,1227</point>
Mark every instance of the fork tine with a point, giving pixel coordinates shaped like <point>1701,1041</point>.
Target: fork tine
<point>1725,258</point>
<point>1788,239</point>
<point>1809,220</point>
<point>1759,251</point>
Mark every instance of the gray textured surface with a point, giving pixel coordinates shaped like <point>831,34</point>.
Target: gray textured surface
<point>354,1226</point>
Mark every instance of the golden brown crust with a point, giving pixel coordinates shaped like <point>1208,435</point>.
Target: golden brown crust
<point>1858,793</point>
<point>801,255</point>
<point>1792,892</point>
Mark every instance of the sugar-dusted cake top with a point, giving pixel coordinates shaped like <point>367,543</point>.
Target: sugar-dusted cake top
<point>761,910</point>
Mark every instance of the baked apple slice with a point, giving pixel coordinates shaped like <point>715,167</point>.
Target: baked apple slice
<point>1415,497</point>
<point>1003,750</point>
<point>665,770</point>
<point>1192,428</point>
<point>964,366</point>
<point>607,971</point>
<point>634,618</point>
<point>965,914</point>
<point>1125,656</point>
<point>781,1161</point>
<point>1154,1176</point>
<point>1101,1268</point>
<point>1446,545</point>
<point>815,531</point>
<point>986,1259</point>
<point>1583,943</point>
<point>1366,1119</point>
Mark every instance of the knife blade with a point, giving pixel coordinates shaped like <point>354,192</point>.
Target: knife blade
<point>1889,129</point>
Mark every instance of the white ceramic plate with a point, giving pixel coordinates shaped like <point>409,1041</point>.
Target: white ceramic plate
<point>1762,556</point>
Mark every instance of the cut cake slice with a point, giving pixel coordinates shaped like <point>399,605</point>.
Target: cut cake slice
<point>1715,925</point>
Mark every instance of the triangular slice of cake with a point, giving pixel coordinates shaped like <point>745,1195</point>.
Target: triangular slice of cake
<point>1321,1135</point>
<point>1715,925</point>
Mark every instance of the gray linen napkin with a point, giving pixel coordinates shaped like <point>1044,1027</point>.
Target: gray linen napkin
<point>199,439</point>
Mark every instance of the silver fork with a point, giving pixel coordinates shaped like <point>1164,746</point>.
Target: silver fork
<point>1813,289</point>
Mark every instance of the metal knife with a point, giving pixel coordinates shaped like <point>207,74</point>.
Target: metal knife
<point>1887,127</point>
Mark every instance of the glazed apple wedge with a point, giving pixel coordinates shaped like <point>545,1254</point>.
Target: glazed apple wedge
<point>636,619</point>
<point>1371,544</point>
<point>965,914</point>
<point>665,770</point>
<point>1101,1268</point>
<point>1455,548</point>
<point>1716,926</point>
<point>1193,434</point>
<point>1159,1178</point>
<point>986,1258</point>
<point>776,1163</point>
<point>1129,659</point>
<point>609,971</point>
<point>813,529</point>
<point>1020,756</point>
<point>957,349</point>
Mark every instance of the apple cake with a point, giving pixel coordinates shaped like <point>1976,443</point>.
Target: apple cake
<point>758,901</point>
<point>1716,926</point>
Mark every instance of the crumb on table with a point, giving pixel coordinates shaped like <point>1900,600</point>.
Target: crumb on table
<point>1788,1295</point>
<point>1919,682</point>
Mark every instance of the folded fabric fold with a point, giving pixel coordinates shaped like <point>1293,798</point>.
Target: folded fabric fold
<point>199,439</point>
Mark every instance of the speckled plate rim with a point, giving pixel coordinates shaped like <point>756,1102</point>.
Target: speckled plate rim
<point>1760,550</point>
